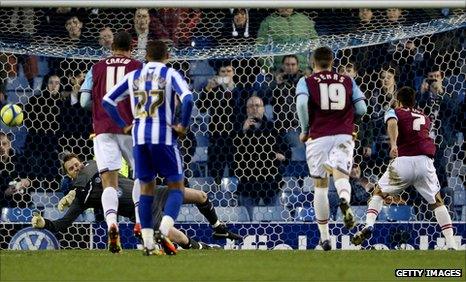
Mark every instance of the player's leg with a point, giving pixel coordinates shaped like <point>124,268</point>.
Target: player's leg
<point>205,207</point>
<point>145,172</point>
<point>398,176</point>
<point>444,220</point>
<point>428,186</point>
<point>339,164</point>
<point>316,155</point>
<point>108,158</point>
<point>126,146</point>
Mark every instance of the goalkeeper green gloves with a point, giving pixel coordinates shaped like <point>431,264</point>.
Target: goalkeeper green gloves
<point>37,220</point>
<point>67,200</point>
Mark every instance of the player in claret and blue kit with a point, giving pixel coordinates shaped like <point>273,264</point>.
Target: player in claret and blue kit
<point>153,90</point>
<point>412,151</point>
<point>111,143</point>
<point>327,103</point>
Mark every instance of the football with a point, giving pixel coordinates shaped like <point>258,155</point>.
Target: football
<point>12,115</point>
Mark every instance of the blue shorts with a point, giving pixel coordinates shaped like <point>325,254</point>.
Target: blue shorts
<point>161,159</point>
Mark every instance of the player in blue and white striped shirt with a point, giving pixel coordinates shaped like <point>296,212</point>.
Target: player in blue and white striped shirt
<point>153,90</point>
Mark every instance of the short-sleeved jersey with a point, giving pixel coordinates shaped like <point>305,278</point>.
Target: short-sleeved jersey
<point>105,74</point>
<point>413,132</point>
<point>152,90</point>
<point>330,104</point>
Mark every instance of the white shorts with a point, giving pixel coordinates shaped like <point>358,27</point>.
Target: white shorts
<point>109,148</point>
<point>331,152</point>
<point>418,171</point>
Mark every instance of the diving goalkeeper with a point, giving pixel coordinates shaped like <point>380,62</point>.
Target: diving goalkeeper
<point>87,190</point>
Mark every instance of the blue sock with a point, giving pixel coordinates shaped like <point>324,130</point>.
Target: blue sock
<point>145,211</point>
<point>173,203</point>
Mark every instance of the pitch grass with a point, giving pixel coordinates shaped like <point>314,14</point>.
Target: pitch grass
<point>221,265</point>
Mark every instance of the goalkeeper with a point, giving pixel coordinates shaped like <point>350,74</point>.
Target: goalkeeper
<point>87,190</point>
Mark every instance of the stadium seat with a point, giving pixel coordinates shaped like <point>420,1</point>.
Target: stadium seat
<point>455,183</point>
<point>296,169</point>
<point>229,184</point>
<point>190,214</point>
<point>232,214</point>
<point>88,215</point>
<point>296,198</point>
<point>290,183</point>
<point>298,153</point>
<point>308,184</point>
<point>292,138</point>
<point>202,140</point>
<point>222,199</point>
<point>16,214</point>
<point>306,214</point>
<point>463,214</point>
<point>200,155</point>
<point>205,184</point>
<point>399,213</point>
<point>54,214</point>
<point>459,198</point>
<point>358,211</point>
<point>43,200</point>
<point>270,213</point>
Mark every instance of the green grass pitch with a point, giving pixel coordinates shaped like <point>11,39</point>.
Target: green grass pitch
<point>220,265</point>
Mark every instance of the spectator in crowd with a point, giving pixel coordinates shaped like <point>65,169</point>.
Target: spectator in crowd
<point>141,32</point>
<point>71,110</point>
<point>362,187</point>
<point>237,27</point>
<point>380,101</point>
<point>176,25</point>
<point>369,20</point>
<point>394,17</point>
<point>106,38</point>
<point>443,110</point>
<point>3,96</point>
<point>365,15</point>
<point>42,122</point>
<point>286,26</point>
<point>73,26</point>
<point>10,67</point>
<point>13,184</point>
<point>222,100</point>
<point>259,158</point>
<point>365,133</point>
<point>348,69</point>
<point>281,93</point>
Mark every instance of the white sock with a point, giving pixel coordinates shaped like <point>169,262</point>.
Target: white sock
<point>110,205</point>
<point>322,211</point>
<point>444,220</point>
<point>148,237</point>
<point>343,189</point>
<point>136,194</point>
<point>166,223</point>
<point>373,209</point>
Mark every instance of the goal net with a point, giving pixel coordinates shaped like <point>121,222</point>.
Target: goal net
<point>243,152</point>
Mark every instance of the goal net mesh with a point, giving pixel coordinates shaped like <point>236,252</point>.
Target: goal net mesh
<point>257,178</point>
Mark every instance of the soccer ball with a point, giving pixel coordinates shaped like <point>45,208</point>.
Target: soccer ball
<point>12,115</point>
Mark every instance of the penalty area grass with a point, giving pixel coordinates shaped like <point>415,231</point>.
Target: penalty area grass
<point>222,265</point>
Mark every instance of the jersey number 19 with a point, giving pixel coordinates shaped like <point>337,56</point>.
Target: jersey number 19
<point>332,96</point>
